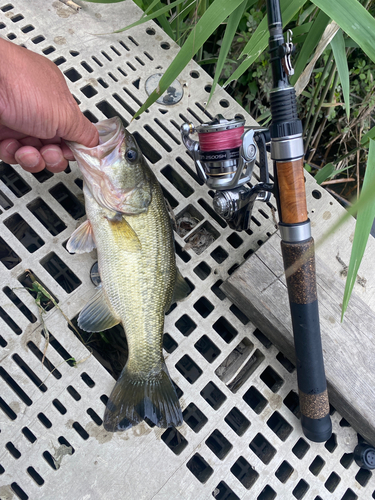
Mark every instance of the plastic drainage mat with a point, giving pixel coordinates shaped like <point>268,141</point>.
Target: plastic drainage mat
<point>241,437</point>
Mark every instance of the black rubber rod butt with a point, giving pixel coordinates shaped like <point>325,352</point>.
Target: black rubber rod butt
<point>299,264</point>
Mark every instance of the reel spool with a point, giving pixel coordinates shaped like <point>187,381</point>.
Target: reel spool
<point>225,154</point>
<point>224,158</point>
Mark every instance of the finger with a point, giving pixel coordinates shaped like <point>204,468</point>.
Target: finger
<point>8,133</point>
<point>89,134</point>
<point>53,140</point>
<point>67,152</point>
<point>53,158</point>
<point>68,155</point>
<point>81,130</point>
<point>30,159</point>
<point>8,147</point>
<point>31,141</point>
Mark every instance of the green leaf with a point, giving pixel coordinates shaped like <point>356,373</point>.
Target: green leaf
<point>157,13</point>
<point>217,12</point>
<point>104,1</point>
<point>354,19</point>
<point>150,7</point>
<point>339,52</point>
<point>164,23</point>
<point>365,219</point>
<point>306,13</point>
<point>258,42</point>
<point>312,40</point>
<point>369,135</point>
<point>232,25</point>
<point>162,18</point>
<point>324,173</point>
<point>253,49</point>
<point>302,29</point>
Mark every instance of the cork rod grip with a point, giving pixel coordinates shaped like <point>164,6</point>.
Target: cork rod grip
<point>299,264</point>
<point>292,194</point>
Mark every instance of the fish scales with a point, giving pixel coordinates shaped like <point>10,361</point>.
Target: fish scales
<point>150,276</point>
<point>128,222</point>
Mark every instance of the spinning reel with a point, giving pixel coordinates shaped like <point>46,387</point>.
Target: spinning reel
<point>224,157</point>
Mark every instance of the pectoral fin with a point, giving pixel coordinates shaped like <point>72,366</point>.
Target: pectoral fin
<point>82,239</point>
<point>131,239</point>
<point>181,288</point>
<point>124,235</point>
<point>97,315</point>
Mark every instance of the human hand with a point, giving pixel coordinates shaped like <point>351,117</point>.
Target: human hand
<point>37,112</point>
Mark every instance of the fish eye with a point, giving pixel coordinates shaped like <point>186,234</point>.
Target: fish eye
<point>131,155</point>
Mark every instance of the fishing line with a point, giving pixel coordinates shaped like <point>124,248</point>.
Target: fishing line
<point>218,141</point>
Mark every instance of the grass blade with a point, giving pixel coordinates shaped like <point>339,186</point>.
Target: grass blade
<point>326,172</point>
<point>157,13</point>
<point>329,171</point>
<point>305,76</point>
<point>211,19</point>
<point>369,135</point>
<point>162,18</point>
<point>150,7</point>
<point>339,52</point>
<point>104,1</point>
<point>315,34</point>
<point>365,219</point>
<point>354,19</point>
<point>232,25</point>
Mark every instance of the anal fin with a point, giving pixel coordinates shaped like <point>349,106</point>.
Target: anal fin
<point>97,315</point>
<point>181,288</point>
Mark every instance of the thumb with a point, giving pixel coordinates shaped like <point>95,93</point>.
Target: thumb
<point>82,131</point>
<point>89,136</point>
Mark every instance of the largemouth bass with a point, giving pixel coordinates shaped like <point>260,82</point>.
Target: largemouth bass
<point>128,223</point>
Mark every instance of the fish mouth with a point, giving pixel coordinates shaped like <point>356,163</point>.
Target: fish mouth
<point>111,132</point>
<point>95,164</point>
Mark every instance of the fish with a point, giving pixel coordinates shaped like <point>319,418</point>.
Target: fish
<point>129,225</point>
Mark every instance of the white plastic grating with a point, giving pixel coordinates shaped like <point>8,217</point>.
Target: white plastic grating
<point>241,437</point>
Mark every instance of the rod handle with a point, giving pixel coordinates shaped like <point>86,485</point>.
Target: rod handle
<point>299,264</point>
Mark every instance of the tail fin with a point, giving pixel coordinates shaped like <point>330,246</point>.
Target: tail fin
<point>134,399</point>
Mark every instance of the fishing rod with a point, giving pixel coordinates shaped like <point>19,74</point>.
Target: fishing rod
<point>297,243</point>
<point>225,155</point>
